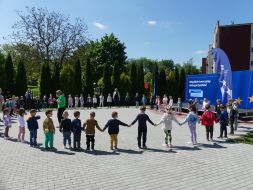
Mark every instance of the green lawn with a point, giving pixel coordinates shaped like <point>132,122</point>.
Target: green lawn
<point>246,139</point>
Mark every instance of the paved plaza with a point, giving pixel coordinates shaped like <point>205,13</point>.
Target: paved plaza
<point>217,165</point>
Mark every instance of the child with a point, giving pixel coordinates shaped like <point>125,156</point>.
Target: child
<point>208,118</point>
<point>77,130</point>
<point>90,125</point>
<point>205,102</point>
<point>137,100</point>
<point>49,130</point>
<point>65,128</point>
<point>21,121</point>
<point>81,99</point>
<point>109,100</point>
<point>37,104</point>
<point>231,115</point>
<point>33,126</point>
<point>166,120</point>
<point>171,101</point>
<point>223,121</point>
<point>70,102</point>
<point>236,112</point>
<point>179,105</point>
<point>192,120</point>
<point>7,123</point>
<point>165,100</point>
<point>94,101</point>
<point>89,101</point>
<point>101,100</point>
<point>218,108</point>
<point>76,101</point>
<point>142,119</point>
<point>144,100</point>
<point>113,129</point>
<point>127,100</point>
<point>44,102</point>
<point>51,101</point>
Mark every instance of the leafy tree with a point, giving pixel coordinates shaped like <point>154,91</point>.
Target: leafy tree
<point>107,80</point>
<point>140,78</point>
<point>67,75</point>
<point>125,85</point>
<point>116,75</point>
<point>190,68</point>
<point>182,84</point>
<point>21,79</point>
<point>167,64</point>
<point>133,78</point>
<point>10,75</point>
<point>78,77</point>
<point>52,34</point>
<point>155,77</point>
<point>161,86</point>
<point>88,83</point>
<point>45,80</point>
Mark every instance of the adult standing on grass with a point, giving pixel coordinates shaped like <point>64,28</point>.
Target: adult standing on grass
<point>61,104</point>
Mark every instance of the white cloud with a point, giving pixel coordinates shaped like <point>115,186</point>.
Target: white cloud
<point>100,26</point>
<point>200,51</point>
<point>152,22</point>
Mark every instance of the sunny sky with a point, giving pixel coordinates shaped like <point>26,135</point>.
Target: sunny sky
<point>157,29</point>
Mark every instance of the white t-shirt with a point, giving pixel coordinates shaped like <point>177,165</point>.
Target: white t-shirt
<point>109,99</point>
<point>95,100</point>
<point>166,120</point>
<point>21,121</point>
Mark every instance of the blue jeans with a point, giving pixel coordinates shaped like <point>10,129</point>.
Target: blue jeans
<point>66,137</point>
<point>33,137</point>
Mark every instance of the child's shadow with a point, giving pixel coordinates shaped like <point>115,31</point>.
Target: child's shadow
<point>161,150</point>
<point>214,145</point>
<point>54,150</point>
<point>101,153</point>
<point>188,148</point>
<point>129,151</point>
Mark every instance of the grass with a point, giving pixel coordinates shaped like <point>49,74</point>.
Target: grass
<point>246,139</point>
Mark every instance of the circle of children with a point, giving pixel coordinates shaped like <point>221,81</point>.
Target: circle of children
<point>225,115</point>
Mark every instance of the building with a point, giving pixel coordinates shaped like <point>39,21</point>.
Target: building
<point>237,42</point>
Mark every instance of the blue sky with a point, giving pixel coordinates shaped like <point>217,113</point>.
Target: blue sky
<point>157,29</point>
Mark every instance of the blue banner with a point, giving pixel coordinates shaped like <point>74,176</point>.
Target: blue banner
<point>207,86</point>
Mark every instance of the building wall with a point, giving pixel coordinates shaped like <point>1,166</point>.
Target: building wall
<point>236,42</point>
<point>204,66</point>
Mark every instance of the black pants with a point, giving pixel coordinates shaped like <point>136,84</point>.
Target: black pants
<point>223,128</point>
<point>90,139</point>
<point>77,140</point>
<point>231,121</point>
<point>142,133</point>
<point>209,130</point>
<point>59,114</point>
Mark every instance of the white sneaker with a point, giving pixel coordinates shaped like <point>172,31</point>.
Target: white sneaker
<point>189,142</point>
<point>18,140</point>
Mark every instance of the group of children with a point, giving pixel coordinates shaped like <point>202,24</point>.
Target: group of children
<point>90,125</point>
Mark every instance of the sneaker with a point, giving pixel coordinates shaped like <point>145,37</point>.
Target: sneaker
<point>139,147</point>
<point>65,147</point>
<point>70,147</point>
<point>211,139</point>
<point>145,147</point>
<point>207,139</point>
<point>189,142</point>
<point>18,140</point>
<point>165,145</point>
<point>219,137</point>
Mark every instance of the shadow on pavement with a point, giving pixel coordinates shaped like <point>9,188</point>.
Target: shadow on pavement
<point>129,151</point>
<point>100,153</point>
<point>161,150</point>
<point>54,150</point>
<point>188,148</point>
<point>214,145</point>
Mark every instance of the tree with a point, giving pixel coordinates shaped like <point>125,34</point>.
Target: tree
<point>107,79</point>
<point>56,78</point>
<point>116,75</point>
<point>190,68</point>
<point>182,84</point>
<point>78,77</point>
<point>140,78</point>
<point>88,83</point>
<point>161,86</point>
<point>10,75</point>
<point>171,84</point>
<point>2,73</point>
<point>51,34</point>
<point>45,80</point>
<point>125,84</point>
<point>176,73</point>
<point>167,64</point>
<point>67,75</point>
<point>155,78</point>
<point>21,79</point>
<point>133,79</point>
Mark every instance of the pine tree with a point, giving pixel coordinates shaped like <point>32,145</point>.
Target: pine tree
<point>171,84</point>
<point>161,86</point>
<point>45,80</point>
<point>2,73</point>
<point>140,79</point>
<point>133,78</point>
<point>116,75</point>
<point>78,77</point>
<point>176,73</point>
<point>107,80</point>
<point>88,84</point>
<point>21,79</point>
<point>67,75</point>
<point>182,84</point>
<point>9,70</point>
<point>56,78</point>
